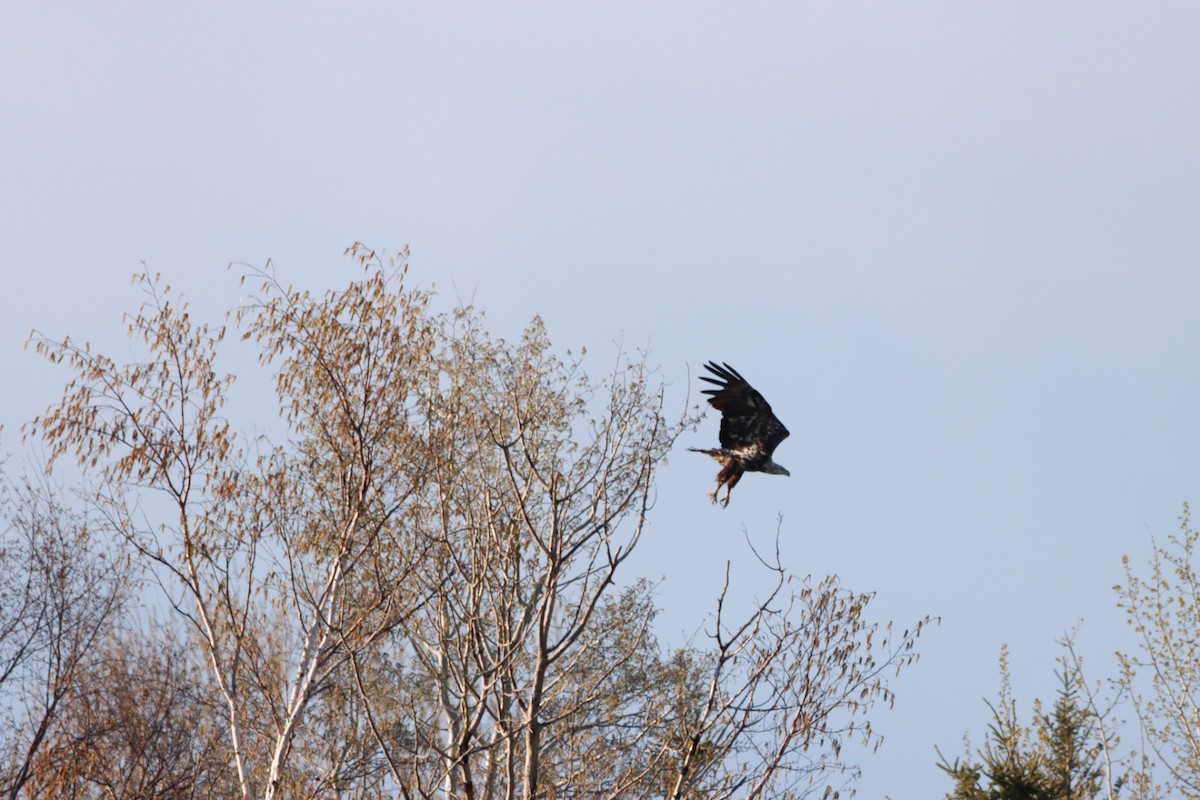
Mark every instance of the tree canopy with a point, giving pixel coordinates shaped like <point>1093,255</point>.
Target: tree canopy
<point>413,590</point>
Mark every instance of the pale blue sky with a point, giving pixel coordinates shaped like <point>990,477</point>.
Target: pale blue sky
<point>957,245</point>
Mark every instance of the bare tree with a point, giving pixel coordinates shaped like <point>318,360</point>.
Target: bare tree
<point>534,495</point>
<point>787,687</point>
<point>137,724</point>
<point>60,590</point>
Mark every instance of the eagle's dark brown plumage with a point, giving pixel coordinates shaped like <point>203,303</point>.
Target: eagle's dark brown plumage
<point>749,431</point>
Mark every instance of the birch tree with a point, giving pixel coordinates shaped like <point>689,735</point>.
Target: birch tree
<point>419,587</point>
<point>287,560</point>
<point>535,495</point>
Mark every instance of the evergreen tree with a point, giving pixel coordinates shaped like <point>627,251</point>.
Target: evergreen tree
<point>1056,757</point>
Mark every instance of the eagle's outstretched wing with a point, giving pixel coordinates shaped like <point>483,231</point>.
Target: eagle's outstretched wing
<point>746,418</point>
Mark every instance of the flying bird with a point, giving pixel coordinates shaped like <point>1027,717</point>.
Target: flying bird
<point>749,431</point>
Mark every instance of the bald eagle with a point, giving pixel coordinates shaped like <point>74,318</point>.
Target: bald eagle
<point>749,431</point>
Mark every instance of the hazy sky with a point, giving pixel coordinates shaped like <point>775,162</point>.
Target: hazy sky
<point>957,245</point>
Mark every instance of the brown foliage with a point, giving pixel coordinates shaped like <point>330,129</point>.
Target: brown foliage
<point>415,589</point>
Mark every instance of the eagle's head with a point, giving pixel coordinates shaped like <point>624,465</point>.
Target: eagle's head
<point>775,469</point>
